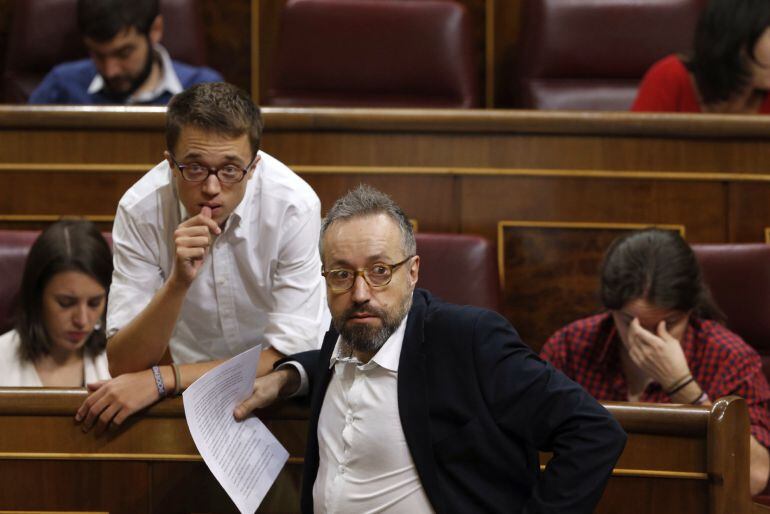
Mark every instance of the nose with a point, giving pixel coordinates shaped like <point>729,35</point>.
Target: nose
<point>360,292</point>
<point>211,185</point>
<point>80,317</point>
<point>111,67</point>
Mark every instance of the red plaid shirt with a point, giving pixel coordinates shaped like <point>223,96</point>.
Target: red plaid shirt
<point>588,351</point>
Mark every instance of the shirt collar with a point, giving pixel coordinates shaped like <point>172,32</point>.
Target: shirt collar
<point>241,211</point>
<point>169,81</point>
<point>387,356</point>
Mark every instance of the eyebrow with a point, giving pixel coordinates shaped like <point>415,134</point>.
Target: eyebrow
<point>370,260</point>
<point>69,296</point>
<point>125,48</point>
<point>227,158</point>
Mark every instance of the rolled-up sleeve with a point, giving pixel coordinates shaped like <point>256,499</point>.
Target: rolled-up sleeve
<point>296,321</point>
<point>136,276</point>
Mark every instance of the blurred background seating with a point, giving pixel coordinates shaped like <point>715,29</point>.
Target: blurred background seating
<point>591,54</point>
<point>459,268</point>
<point>738,275</point>
<point>44,33</point>
<point>376,53</point>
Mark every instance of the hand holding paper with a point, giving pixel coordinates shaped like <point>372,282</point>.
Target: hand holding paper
<point>244,457</point>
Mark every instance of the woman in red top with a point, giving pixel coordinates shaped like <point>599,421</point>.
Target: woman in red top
<point>728,71</point>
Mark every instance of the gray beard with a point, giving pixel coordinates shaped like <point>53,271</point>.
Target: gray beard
<point>367,339</point>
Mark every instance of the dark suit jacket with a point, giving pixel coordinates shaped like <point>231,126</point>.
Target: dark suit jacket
<point>476,405</point>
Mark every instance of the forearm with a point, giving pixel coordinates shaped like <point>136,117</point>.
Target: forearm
<point>583,459</point>
<point>142,342</point>
<point>759,466</point>
<point>689,394</point>
<point>189,373</point>
<point>266,361</point>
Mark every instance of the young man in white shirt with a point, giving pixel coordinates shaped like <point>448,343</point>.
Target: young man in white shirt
<point>215,252</point>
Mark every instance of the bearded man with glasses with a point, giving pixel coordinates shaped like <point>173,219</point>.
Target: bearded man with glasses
<point>215,252</point>
<point>420,406</point>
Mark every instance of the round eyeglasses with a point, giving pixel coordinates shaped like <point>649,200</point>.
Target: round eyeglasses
<point>378,274</point>
<point>228,174</point>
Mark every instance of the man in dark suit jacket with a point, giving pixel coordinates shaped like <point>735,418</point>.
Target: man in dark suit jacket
<point>418,405</point>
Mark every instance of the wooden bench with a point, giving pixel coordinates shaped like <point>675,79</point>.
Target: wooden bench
<point>678,459</point>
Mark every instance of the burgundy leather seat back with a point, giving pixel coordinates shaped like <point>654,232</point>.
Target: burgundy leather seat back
<point>591,54</point>
<point>377,53</point>
<point>459,268</point>
<point>44,33</point>
<point>739,278</point>
<point>14,247</point>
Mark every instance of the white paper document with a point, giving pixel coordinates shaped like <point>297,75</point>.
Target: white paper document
<point>244,456</point>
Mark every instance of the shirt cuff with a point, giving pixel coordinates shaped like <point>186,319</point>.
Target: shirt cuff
<point>303,380</point>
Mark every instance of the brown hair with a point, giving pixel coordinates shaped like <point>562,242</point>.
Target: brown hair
<point>216,107</point>
<point>102,20</point>
<point>660,267</point>
<point>67,245</point>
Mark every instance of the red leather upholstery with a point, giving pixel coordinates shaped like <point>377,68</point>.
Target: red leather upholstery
<point>739,278</point>
<point>459,268</point>
<point>14,247</point>
<point>44,33</point>
<point>591,54</point>
<point>378,53</point>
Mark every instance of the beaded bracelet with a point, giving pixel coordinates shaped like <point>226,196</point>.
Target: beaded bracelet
<point>159,382</point>
<point>177,379</point>
<point>680,386</point>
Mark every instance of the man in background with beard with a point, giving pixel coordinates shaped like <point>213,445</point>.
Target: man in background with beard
<point>127,65</point>
<point>417,405</point>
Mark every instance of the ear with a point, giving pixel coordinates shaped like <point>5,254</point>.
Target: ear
<point>414,270</point>
<point>156,30</point>
<point>167,156</point>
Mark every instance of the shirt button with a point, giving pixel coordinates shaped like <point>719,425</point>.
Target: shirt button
<point>349,419</point>
<point>341,470</point>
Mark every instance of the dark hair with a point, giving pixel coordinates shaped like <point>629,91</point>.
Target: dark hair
<point>216,107</point>
<point>660,267</point>
<point>102,20</point>
<point>725,37</point>
<point>368,201</point>
<point>67,245</point>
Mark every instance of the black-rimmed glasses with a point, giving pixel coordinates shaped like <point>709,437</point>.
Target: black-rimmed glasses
<point>228,174</point>
<point>378,274</point>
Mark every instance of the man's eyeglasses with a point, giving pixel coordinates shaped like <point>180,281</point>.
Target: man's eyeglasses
<point>228,174</point>
<point>377,275</point>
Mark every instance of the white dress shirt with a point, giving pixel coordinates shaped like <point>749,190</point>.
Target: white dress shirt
<point>260,283</point>
<point>17,372</point>
<point>365,465</point>
<point>169,81</point>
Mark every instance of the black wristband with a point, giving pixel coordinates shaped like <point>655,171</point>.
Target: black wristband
<point>680,386</point>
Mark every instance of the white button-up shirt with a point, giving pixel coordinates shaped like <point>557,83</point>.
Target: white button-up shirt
<point>260,283</point>
<point>365,464</point>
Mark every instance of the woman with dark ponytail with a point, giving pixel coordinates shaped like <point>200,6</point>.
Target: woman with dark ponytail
<point>662,340</point>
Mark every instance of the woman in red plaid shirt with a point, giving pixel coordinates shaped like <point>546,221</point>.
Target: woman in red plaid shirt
<point>661,339</point>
